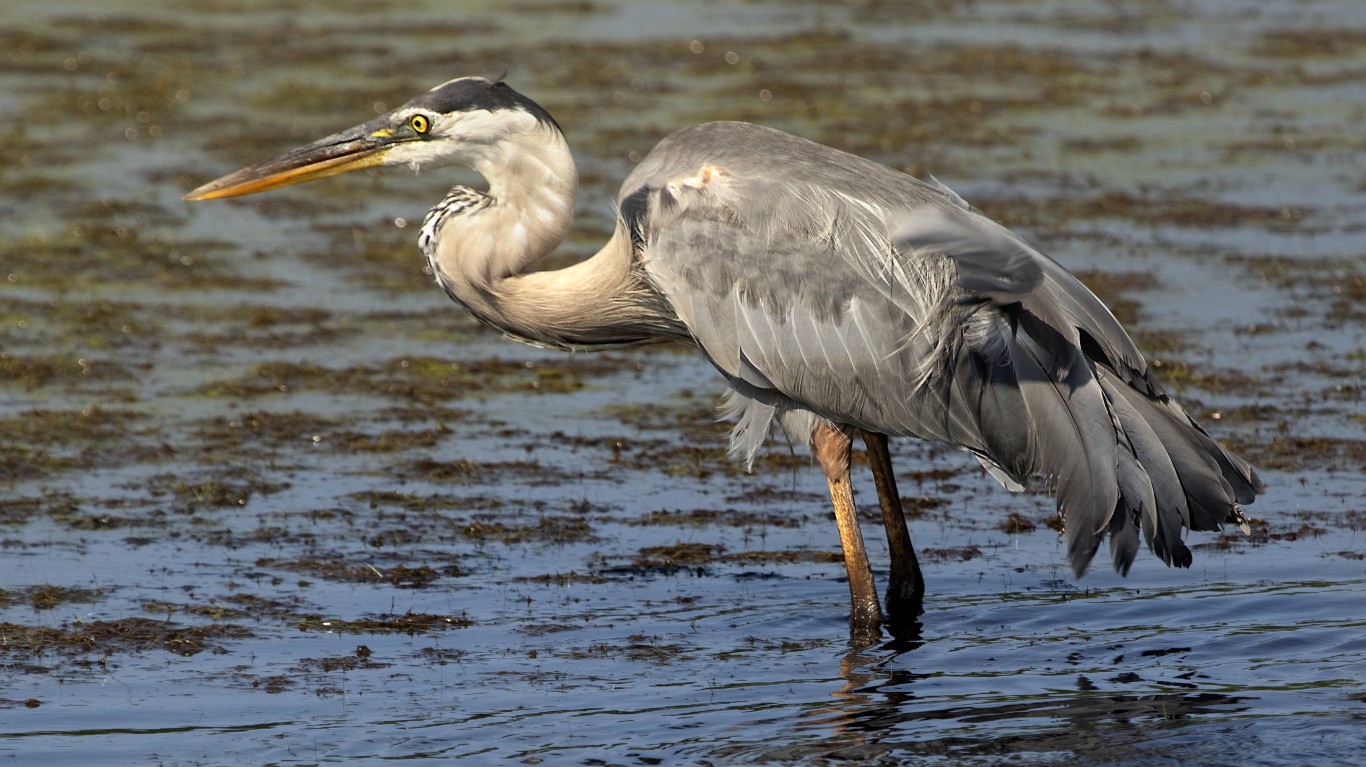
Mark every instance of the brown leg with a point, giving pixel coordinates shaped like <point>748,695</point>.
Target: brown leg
<point>906,587</point>
<point>831,447</point>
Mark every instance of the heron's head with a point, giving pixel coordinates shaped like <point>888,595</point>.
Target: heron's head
<point>470,121</point>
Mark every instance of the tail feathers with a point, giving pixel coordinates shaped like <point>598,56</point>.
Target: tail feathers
<point>1136,507</point>
<point>1208,495</point>
<point>1193,483</point>
<point>1164,517</point>
<point>1076,445</point>
<point>1126,458</point>
<point>1237,474</point>
<point>1027,402</point>
<point>1212,480</point>
<point>1123,462</point>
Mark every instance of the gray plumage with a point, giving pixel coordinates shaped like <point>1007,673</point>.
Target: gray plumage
<point>869,298</point>
<point>835,295</point>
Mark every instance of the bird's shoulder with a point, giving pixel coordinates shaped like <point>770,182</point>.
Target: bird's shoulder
<point>754,158</point>
<point>733,206</point>
<point>764,189</point>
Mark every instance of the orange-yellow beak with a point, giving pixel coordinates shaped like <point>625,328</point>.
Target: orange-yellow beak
<point>361,147</point>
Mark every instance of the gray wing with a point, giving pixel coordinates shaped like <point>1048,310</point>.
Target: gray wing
<point>818,280</point>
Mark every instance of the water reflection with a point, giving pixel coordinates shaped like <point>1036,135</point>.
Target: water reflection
<point>876,716</point>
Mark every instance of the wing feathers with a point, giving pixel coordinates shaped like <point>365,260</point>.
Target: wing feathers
<point>859,295</point>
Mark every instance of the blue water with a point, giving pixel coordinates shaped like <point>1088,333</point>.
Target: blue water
<point>558,633</point>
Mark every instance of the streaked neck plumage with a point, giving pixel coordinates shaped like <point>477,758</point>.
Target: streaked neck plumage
<point>481,246</point>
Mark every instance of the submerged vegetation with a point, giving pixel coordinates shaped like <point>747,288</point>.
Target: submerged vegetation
<point>231,434</point>
<point>267,402</point>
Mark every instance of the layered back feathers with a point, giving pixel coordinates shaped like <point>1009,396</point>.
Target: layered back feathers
<point>827,287</point>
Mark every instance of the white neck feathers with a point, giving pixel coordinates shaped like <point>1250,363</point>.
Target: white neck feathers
<point>481,253</point>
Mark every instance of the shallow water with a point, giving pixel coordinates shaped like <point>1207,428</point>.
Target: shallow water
<point>266,497</point>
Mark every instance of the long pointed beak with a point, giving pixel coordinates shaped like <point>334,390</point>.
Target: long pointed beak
<point>361,147</point>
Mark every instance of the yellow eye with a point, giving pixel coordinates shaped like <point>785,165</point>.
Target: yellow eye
<point>419,123</point>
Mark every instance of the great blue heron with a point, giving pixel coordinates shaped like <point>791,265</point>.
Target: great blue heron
<point>832,293</point>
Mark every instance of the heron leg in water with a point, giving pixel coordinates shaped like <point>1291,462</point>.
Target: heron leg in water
<point>906,587</point>
<point>832,447</point>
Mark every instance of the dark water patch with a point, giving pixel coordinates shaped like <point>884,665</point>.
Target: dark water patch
<point>400,576</point>
<point>637,648</point>
<point>408,623</point>
<point>677,555</point>
<point>1016,523</point>
<point>463,471</point>
<point>223,487</point>
<point>1293,452</point>
<point>960,554</point>
<point>49,596</point>
<point>1313,42</point>
<point>417,378</point>
<point>90,254</point>
<point>232,607</point>
<point>1159,206</point>
<point>261,429</point>
<point>729,517</point>
<point>563,580</point>
<point>87,427</point>
<point>1181,375</point>
<point>545,528</point>
<point>375,255</point>
<point>136,635</point>
<point>30,372</point>
<point>388,441</point>
<point>16,510</point>
<point>42,443</point>
<point>95,325</point>
<point>397,500</point>
<point>281,339</point>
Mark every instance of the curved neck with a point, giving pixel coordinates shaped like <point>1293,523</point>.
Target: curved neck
<point>481,254</point>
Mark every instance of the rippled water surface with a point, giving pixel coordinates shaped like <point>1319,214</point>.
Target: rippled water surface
<point>267,497</point>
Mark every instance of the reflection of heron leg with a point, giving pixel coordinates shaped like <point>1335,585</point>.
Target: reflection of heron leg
<point>831,447</point>
<point>906,587</point>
